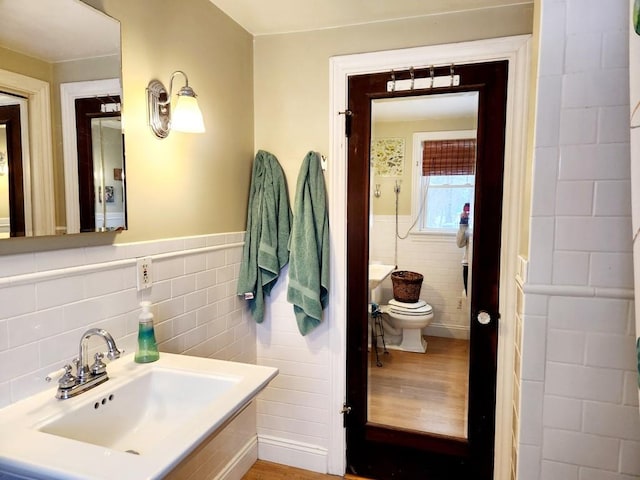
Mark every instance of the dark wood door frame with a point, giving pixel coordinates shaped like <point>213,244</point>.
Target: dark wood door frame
<point>10,117</point>
<point>383,452</point>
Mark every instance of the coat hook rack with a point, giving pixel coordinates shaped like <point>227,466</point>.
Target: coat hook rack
<point>432,81</point>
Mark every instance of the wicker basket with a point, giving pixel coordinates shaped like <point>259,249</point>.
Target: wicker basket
<point>406,286</point>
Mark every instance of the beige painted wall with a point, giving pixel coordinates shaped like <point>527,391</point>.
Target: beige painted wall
<point>386,203</point>
<point>186,184</point>
<point>196,184</point>
<point>523,248</point>
<point>55,74</point>
<point>76,71</point>
<point>292,71</point>
<point>32,67</point>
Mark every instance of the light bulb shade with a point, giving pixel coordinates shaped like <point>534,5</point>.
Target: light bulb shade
<point>182,115</point>
<point>186,115</point>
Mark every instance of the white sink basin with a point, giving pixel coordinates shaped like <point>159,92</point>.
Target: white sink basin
<point>138,415</point>
<point>139,424</point>
<point>377,273</point>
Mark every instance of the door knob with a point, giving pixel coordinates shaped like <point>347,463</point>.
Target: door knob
<point>483,317</point>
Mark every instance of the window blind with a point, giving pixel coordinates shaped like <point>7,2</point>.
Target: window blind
<point>449,157</point>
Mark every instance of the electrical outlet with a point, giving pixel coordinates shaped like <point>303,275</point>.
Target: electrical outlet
<point>143,273</point>
<point>459,304</point>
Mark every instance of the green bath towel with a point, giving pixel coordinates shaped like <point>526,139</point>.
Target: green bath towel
<point>265,250</point>
<point>308,289</point>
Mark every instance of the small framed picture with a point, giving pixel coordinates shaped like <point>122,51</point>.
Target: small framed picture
<point>117,174</point>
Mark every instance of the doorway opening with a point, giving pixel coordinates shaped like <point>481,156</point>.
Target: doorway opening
<point>11,170</point>
<point>100,164</point>
<point>516,51</point>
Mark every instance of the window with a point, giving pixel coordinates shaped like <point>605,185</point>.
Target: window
<point>445,197</point>
<point>445,178</point>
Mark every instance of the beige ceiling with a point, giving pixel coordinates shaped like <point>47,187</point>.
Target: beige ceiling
<point>266,17</point>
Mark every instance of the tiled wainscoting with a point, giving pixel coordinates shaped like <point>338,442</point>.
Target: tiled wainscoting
<point>581,400</point>
<point>48,299</point>
<point>295,410</point>
<point>579,415</point>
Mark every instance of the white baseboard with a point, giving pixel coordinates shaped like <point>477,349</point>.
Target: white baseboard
<point>293,454</point>
<point>241,462</point>
<point>448,331</point>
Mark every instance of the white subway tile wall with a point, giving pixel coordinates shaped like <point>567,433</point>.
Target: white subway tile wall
<point>437,258</point>
<point>46,305</point>
<point>293,411</point>
<point>578,352</point>
<point>576,388</point>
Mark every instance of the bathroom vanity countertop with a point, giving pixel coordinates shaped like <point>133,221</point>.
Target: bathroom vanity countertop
<point>25,449</point>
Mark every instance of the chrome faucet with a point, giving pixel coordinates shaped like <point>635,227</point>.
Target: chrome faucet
<point>87,376</point>
<point>83,371</point>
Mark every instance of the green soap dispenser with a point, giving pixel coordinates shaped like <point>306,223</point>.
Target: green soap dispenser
<point>147,347</point>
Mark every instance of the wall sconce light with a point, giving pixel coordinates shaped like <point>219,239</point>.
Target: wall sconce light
<point>186,116</point>
<point>4,167</point>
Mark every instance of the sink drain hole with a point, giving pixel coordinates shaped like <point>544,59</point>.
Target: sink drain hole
<point>132,452</point>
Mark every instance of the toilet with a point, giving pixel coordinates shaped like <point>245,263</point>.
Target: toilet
<point>411,318</point>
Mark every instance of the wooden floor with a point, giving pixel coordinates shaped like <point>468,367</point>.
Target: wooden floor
<point>262,470</point>
<point>425,392</point>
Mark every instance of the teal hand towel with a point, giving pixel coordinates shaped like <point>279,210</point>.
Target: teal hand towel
<point>265,250</point>
<point>308,288</point>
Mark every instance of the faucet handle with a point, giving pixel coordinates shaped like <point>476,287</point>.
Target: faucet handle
<point>66,380</point>
<point>98,366</point>
<point>56,373</point>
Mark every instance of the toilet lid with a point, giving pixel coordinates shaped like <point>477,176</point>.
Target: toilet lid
<point>417,309</point>
<point>408,306</point>
<point>410,313</point>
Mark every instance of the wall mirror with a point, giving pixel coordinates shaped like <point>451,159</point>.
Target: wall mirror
<point>423,153</point>
<point>60,70</point>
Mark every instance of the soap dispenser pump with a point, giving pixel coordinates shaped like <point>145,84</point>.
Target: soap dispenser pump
<point>147,350</point>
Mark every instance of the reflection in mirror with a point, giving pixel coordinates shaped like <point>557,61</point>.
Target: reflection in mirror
<point>106,134</point>
<point>93,153</point>
<point>5,227</point>
<point>423,151</point>
<point>40,52</point>
<point>12,185</point>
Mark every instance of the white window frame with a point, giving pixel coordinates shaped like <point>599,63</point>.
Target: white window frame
<point>416,190</point>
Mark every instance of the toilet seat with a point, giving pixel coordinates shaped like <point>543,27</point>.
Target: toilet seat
<point>411,318</point>
<point>415,310</point>
<point>409,306</point>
